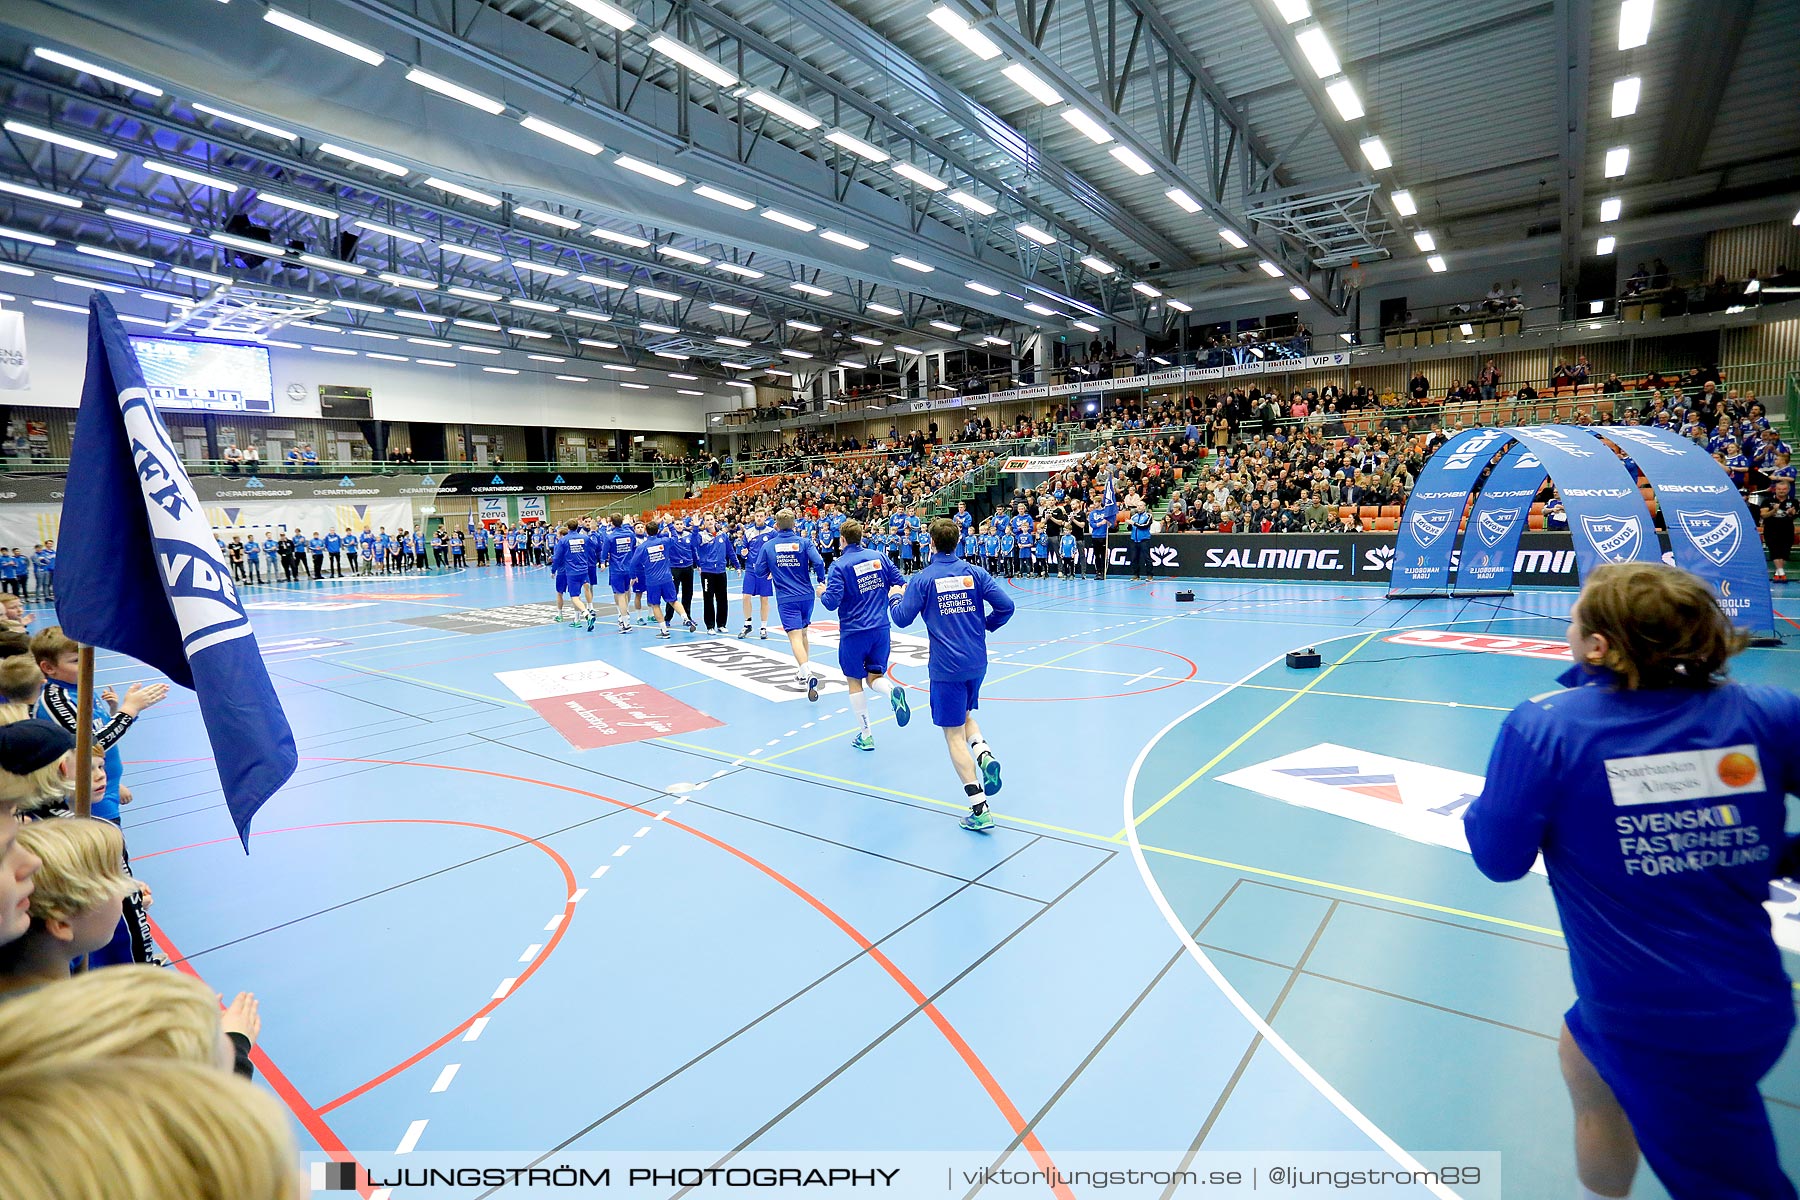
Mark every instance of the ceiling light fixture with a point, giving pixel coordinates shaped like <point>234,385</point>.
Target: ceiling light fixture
<point>324,37</point>
<point>924,179</point>
<point>693,60</point>
<point>97,71</point>
<point>467,193</point>
<point>361,159</point>
<point>1097,133</point>
<point>455,91</point>
<point>545,218</point>
<point>793,114</point>
<point>857,146</point>
<point>557,133</point>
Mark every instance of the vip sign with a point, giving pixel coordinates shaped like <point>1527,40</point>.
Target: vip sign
<point>594,704</point>
<point>1425,803</point>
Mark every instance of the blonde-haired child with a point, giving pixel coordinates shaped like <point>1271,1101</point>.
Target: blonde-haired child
<point>143,1129</point>
<point>76,902</point>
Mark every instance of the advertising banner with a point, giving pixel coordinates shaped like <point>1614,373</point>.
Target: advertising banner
<point>1046,463</point>
<point>15,365</point>
<point>1428,528</point>
<point>542,483</point>
<point>594,704</point>
<point>1711,528</point>
<point>1607,515</point>
<point>1501,512</point>
<point>1542,559</point>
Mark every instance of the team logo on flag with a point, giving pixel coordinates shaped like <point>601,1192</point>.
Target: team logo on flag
<point>1492,527</point>
<point>1714,534</point>
<point>200,590</point>
<point>1616,539</point>
<point>1430,525</point>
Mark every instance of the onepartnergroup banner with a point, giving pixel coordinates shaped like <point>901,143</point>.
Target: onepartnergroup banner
<point>914,1175</point>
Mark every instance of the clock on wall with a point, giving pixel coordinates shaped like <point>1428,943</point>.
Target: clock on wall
<point>296,391</point>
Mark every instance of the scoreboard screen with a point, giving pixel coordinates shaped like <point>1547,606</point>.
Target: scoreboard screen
<point>195,375</point>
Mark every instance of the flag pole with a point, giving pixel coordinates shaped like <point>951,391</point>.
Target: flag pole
<point>84,735</point>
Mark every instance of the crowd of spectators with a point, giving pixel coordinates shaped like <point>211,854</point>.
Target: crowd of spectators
<point>1655,284</point>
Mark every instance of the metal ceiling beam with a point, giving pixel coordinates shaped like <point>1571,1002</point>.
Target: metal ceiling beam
<point>363,105</point>
<point>1574,37</point>
<point>1290,258</point>
<point>396,208</point>
<point>898,67</point>
<point>1282,38</point>
<point>1720,26</point>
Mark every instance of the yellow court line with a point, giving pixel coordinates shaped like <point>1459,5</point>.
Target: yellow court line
<point>444,687</point>
<point>1347,889</point>
<point>1355,891</point>
<point>1216,759</point>
<point>1010,819</point>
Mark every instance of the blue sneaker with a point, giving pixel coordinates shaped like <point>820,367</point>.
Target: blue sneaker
<point>981,822</point>
<point>902,706</point>
<point>592,617</point>
<point>863,742</point>
<point>812,687</point>
<point>990,772</point>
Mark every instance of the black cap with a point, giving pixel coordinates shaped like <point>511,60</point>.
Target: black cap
<point>25,746</point>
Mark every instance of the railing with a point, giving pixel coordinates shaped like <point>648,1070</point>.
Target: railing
<point>662,472</point>
<point>882,404</point>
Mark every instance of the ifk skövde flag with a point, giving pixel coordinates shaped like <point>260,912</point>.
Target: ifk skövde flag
<point>140,573</point>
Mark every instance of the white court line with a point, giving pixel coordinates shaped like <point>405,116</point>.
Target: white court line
<point>531,952</point>
<point>445,1076</point>
<point>550,926</point>
<point>576,896</point>
<point>476,1028</point>
<point>599,871</point>
<point>1141,678</point>
<point>413,1133</point>
<point>506,985</point>
<point>620,852</point>
<point>1274,1040</point>
<point>640,833</point>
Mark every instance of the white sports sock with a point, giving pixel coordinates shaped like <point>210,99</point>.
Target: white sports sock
<point>859,702</point>
<point>1587,1193</point>
<point>977,748</point>
<point>881,685</point>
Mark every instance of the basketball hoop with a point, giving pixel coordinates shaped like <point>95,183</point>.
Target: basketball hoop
<point>1353,276</point>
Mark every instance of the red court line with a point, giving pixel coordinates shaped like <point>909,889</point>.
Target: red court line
<point>491,1005</point>
<point>1789,620</point>
<point>305,1113</point>
<point>996,1093</point>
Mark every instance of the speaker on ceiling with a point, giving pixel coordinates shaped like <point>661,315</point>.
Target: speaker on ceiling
<point>241,226</point>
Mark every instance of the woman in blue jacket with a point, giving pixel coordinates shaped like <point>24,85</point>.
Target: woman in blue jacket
<point>1655,792</point>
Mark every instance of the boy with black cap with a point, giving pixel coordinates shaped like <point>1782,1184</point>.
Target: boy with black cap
<point>25,747</point>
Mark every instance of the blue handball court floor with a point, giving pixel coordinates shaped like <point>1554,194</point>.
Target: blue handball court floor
<point>536,891</point>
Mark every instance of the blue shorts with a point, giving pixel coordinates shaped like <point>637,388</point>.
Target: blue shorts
<point>795,614</point>
<point>562,585</point>
<point>637,584</point>
<point>758,585</point>
<point>571,582</point>
<point>952,700</point>
<point>863,654</point>
<point>1699,1118</point>
<point>620,584</point>
<point>661,593</point>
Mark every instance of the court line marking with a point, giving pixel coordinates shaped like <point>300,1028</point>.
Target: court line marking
<point>1255,729</point>
<point>1235,998</point>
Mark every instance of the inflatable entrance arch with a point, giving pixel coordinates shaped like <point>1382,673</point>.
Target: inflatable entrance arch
<point>1712,532</point>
